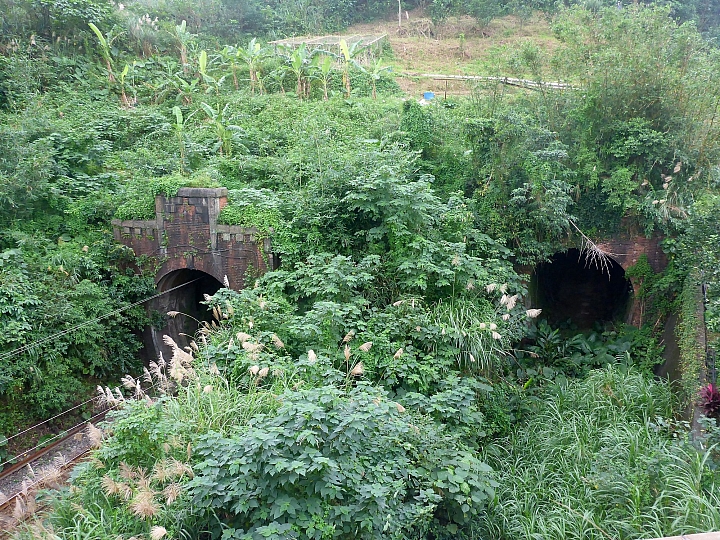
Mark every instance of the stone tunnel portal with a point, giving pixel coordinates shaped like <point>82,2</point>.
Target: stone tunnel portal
<point>570,289</point>
<point>186,301</point>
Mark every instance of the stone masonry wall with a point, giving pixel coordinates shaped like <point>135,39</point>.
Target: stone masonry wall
<point>185,234</point>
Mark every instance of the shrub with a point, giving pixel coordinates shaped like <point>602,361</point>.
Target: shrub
<point>339,464</point>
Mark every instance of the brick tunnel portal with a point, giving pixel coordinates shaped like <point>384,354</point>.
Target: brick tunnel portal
<point>185,304</point>
<point>572,291</point>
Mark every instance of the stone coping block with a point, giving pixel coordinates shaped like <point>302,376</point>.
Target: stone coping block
<point>135,224</point>
<point>236,229</point>
<point>213,193</point>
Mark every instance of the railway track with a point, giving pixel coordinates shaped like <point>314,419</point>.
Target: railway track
<point>47,467</point>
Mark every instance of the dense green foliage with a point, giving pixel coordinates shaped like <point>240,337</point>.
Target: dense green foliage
<point>391,379</point>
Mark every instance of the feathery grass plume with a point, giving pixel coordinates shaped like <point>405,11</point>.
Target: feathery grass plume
<point>312,357</point>
<point>503,288</point>
<point>483,326</point>
<point>400,408</point>
<point>263,372</point>
<point>254,369</point>
<point>251,347</point>
<point>194,346</point>
<point>106,397</point>
<point>493,326</point>
<point>128,382</point>
<point>147,376</point>
<point>349,336</point>
<point>398,353</point>
<point>495,335</point>
<point>214,369</point>
<point>160,472</point>
<point>94,435</point>
<point>50,477</point>
<point>179,355</point>
<point>172,492</point>
<point>512,300</point>
<point>110,487</point>
<point>178,469</point>
<point>277,342</point>
<point>143,481</point>
<point>357,370</point>
<point>207,297</point>
<point>229,310</point>
<point>504,300</point>
<point>126,471</point>
<point>189,453</point>
<point>533,313</point>
<point>96,463</point>
<point>593,254</point>
<point>346,352</point>
<point>157,532</point>
<point>398,303</point>
<point>242,336</point>
<point>365,347</point>
<point>173,314</point>
<point>470,285</point>
<point>472,358</point>
<point>491,288</point>
<point>217,313</point>
<point>207,389</point>
<point>178,372</point>
<point>226,282</point>
<point>505,317</point>
<point>230,344</point>
<point>143,505</point>
<point>19,512</point>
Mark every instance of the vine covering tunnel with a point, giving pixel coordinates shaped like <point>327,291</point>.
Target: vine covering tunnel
<point>187,301</point>
<point>572,290</point>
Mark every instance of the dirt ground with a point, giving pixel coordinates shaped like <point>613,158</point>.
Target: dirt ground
<point>460,46</point>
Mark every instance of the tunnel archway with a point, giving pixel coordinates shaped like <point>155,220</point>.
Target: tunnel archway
<point>186,301</point>
<point>571,289</point>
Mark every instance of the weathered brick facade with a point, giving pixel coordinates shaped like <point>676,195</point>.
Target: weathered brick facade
<point>626,251</point>
<point>185,234</point>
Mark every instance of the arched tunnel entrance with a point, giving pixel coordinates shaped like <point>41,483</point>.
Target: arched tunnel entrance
<point>186,301</point>
<point>572,290</point>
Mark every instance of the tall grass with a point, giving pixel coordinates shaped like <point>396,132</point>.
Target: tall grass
<point>596,463</point>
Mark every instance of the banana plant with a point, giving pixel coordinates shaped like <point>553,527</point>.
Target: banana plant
<point>184,38</point>
<point>324,69</point>
<point>123,96</point>
<point>227,134</point>
<point>179,129</point>
<point>376,71</point>
<point>209,81</point>
<point>253,57</point>
<point>299,64</point>
<point>106,42</point>
<point>185,89</point>
<point>349,52</point>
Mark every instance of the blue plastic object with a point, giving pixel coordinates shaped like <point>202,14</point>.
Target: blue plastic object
<point>428,95</point>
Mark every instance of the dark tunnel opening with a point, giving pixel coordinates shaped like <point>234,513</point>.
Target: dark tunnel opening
<point>572,290</point>
<point>186,302</point>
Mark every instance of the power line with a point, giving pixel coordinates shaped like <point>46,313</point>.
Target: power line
<point>29,346</point>
<point>50,419</point>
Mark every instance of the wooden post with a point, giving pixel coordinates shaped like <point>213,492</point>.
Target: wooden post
<point>399,14</point>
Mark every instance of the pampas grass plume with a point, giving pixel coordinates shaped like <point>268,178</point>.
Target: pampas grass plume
<point>157,532</point>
